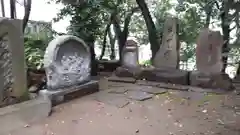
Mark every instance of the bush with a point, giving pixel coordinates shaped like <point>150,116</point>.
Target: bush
<point>34,52</point>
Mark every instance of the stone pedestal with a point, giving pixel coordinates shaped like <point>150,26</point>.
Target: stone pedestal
<point>213,81</point>
<point>165,75</point>
<point>128,72</point>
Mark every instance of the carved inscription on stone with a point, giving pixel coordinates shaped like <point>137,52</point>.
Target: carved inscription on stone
<point>168,54</point>
<point>67,62</point>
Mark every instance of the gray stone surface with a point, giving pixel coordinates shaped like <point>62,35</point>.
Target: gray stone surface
<point>168,53</point>
<point>154,90</point>
<point>84,88</point>
<point>209,51</point>
<point>214,81</point>
<point>12,60</point>
<point>130,54</point>
<point>67,62</point>
<point>121,79</point>
<point>19,115</point>
<point>118,100</point>
<point>118,90</point>
<point>168,75</point>
<point>139,95</point>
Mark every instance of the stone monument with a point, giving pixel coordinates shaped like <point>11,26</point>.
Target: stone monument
<point>209,61</point>
<point>67,63</point>
<point>12,60</point>
<point>168,53</point>
<point>166,61</point>
<point>130,64</point>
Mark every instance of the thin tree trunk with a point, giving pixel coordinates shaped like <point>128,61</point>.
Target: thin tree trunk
<point>123,34</point>
<point>12,9</point>
<point>105,40</point>
<point>208,19</point>
<point>152,32</point>
<point>226,33</point>
<point>3,8</point>
<point>27,9</point>
<point>94,66</point>
<point>112,45</point>
<point>238,69</point>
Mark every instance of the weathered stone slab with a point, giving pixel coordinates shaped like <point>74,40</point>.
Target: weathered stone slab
<point>12,60</point>
<point>209,51</point>
<point>139,95</point>
<point>18,115</point>
<point>82,89</point>
<point>168,54</point>
<point>117,100</point>
<point>213,81</point>
<point>154,90</point>
<point>67,62</point>
<point>128,72</point>
<point>122,79</point>
<point>166,75</point>
<point>118,90</point>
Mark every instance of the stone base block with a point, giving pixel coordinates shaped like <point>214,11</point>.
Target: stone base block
<point>121,79</point>
<point>19,115</point>
<point>78,90</point>
<point>127,72</point>
<point>213,81</point>
<point>173,76</point>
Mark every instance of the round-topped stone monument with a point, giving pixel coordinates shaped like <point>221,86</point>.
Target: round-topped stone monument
<point>67,62</point>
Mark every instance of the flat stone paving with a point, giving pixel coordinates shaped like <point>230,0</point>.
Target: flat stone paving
<point>168,113</point>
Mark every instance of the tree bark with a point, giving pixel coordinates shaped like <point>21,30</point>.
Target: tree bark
<point>208,14</point>
<point>12,9</point>
<point>94,66</point>
<point>123,34</point>
<point>152,32</point>
<point>238,69</point>
<point>27,9</point>
<point>105,40</point>
<point>226,32</point>
<point>3,8</point>
<point>112,45</point>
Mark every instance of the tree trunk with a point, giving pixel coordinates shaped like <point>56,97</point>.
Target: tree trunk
<point>208,19</point>
<point>12,9</point>
<point>226,32</point>
<point>123,34</point>
<point>27,9</point>
<point>152,32</point>
<point>3,8</point>
<point>238,69</point>
<point>105,40</point>
<point>94,66</point>
<point>112,44</point>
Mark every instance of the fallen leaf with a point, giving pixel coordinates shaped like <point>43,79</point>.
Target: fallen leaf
<point>204,111</point>
<point>27,126</point>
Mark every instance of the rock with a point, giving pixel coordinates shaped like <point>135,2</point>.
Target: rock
<point>127,72</point>
<point>213,81</point>
<point>118,90</point>
<point>165,75</point>
<point>121,79</point>
<point>139,95</point>
<point>33,89</point>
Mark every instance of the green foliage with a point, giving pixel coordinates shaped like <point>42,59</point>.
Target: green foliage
<point>146,63</point>
<point>34,52</point>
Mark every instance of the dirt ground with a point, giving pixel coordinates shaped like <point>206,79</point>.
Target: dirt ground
<point>167,113</point>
